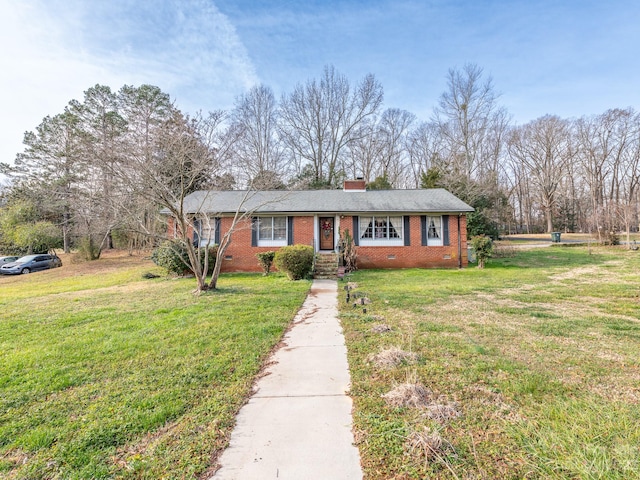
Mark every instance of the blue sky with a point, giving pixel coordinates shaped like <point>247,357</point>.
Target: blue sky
<point>569,58</point>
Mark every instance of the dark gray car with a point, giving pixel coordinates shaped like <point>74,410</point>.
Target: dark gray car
<point>31,263</point>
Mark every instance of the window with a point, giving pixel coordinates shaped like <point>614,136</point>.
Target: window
<point>207,231</point>
<point>381,230</point>
<point>272,231</point>
<point>434,231</point>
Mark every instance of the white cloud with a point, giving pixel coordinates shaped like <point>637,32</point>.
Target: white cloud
<point>54,50</point>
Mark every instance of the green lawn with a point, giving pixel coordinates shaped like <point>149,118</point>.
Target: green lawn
<point>535,362</point>
<point>536,359</point>
<point>104,374</point>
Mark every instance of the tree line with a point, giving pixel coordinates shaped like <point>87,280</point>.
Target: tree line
<point>101,170</point>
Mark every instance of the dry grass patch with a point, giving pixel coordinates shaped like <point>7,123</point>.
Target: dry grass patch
<point>429,445</point>
<point>409,395</point>
<point>381,328</point>
<point>532,367</point>
<point>442,413</point>
<point>591,273</point>
<point>392,357</point>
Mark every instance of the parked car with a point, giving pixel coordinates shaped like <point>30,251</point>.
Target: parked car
<point>31,263</point>
<point>4,260</point>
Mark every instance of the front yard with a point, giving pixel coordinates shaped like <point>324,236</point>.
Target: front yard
<point>104,374</point>
<point>528,369</point>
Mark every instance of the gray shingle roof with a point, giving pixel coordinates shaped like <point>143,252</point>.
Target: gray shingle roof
<point>436,200</point>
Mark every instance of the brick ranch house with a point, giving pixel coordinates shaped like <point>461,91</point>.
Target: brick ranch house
<point>391,228</point>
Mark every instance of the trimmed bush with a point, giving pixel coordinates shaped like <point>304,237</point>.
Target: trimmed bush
<point>295,260</point>
<point>265,259</point>
<point>172,255</point>
<point>483,246</point>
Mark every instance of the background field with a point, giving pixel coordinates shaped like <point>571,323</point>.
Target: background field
<point>105,374</point>
<point>532,367</point>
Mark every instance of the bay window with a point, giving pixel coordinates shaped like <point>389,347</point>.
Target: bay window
<point>381,230</point>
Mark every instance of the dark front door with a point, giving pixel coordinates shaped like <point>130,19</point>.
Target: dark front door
<point>326,233</point>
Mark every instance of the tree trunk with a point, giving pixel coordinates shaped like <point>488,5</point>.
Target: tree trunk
<point>549,220</point>
<point>222,248</point>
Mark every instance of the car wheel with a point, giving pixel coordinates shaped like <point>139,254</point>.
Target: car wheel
<point>25,270</point>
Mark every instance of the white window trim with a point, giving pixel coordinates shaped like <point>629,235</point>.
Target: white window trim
<point>272,243</point>
<point>367,242</point>
<point>434,242</point>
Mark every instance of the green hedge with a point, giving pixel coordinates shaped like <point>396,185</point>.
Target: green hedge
<point>295,260</point>
<point>172,255</point>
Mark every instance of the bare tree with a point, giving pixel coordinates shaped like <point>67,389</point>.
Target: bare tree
<point>187,153</point>
<point>543,148</point>
<point>146,109</point>
<point>392,131</point>
<point>606,146</point>
<point>628,192</point>
<point>471,122</point>
<point>380,150</point>
<point>364,152</point>
<point>258,153</point>
<point>182,159</point>
<point>320,119</point>
<point>425,147</point>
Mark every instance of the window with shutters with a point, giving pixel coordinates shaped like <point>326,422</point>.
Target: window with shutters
<point>272,231</point>
<point>381,230</point>
<point>434,231</point>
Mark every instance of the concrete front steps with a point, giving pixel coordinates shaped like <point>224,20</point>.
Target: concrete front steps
<point>326,266</point>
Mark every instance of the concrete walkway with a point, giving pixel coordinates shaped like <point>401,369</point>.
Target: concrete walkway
<point>298,423</point>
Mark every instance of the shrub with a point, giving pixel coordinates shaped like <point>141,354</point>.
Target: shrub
<point>348,253</point>
<point>611,237</point>
<point>88,249</point>
<point>172,255</point>
<point>265,259</point>
<point>38,237</point>
<point>483,247</point>
<point>295,260</point>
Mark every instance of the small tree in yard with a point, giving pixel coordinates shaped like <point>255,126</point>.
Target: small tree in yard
<point>295,260</point>
<point>348,251</point>
<point>172,255</point>
<point>265,259</point>
<point>483,246</point>
<point>187,153</point>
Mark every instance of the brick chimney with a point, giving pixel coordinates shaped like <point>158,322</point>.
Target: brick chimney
<point>358,185</point>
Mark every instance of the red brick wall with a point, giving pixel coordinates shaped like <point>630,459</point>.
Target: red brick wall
<point>414,255</point>
<point>240,256</point>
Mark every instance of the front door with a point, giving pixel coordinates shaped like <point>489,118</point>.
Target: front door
<point>326,233</point>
